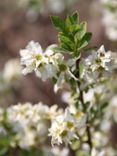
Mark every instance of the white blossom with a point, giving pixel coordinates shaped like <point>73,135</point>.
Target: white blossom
<point>97,64</point>
<point>31,122</point>
<point>65,72</point>
<point>100,58</point>
<point>47,64</point>
<point>31,57</point>
<point>56,151</point>
<point>64,127</point>
<point>44,64</point>
<point>12,70</point>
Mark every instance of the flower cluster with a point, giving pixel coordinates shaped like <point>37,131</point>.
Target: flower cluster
<point>28,123</point>
<point>66,127</point>
<point>109,18</point>
<point>96,65</point>
<point>46,64</point>
<point>71,125</point>
<point>55,151</point>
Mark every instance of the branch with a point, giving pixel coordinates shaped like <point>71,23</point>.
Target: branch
<point>71,151</point>
<point>89,141</point>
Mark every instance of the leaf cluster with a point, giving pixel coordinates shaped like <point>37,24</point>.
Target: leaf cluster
<point>73,35</point>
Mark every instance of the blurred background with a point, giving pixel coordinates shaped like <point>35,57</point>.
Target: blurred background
<point>25,20</point>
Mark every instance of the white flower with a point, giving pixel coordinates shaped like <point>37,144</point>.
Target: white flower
<point>12,70</point>
<point>47,64</point>
<point>99,139</point>
<point>65,72</point>
<point>50,68</point>
<point>32,57</point>
<point>55,151</point>
<point>60,152</point>
<point>44,64</point>
<point>89,96</point>
<point>97,65</point>
<point>66,96</point>
<point>26,139</point>
<point>104,57</point>
<point>56,130</point>
<point>97,153</point>
<point>98,59</point>
<point>46,112</point>
<point>64,127</point>
<point>106,151</point>
<point>31,122</point>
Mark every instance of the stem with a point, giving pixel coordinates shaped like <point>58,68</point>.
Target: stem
<point>71,151</point>
<point>89,141</point>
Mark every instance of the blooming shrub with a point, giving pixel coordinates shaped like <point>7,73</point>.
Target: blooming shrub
<point>84,126</point>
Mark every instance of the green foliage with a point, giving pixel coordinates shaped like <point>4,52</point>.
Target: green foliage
<point>58,23</point>
<point>73,35</point>
<point>3,150</point>
<point>32,152</point>
<point>98,113</point>
<point>82,153</point>
<point>7,138</point>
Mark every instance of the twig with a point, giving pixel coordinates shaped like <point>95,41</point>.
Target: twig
<point>89,141</point>
<point>71,151</point>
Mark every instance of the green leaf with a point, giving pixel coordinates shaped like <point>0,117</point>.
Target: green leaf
<point>32,152</point>
<point>61,50</point>
<point>83,45</point>
<point>72,23</point>
<point>83,29</point>
<point>3,150</point>
<point>87,36</point>
<point>58,23</point>
<point>85,40</point>
<point>81,32</point>
<point>75,17</point>
<point>73,36</point>
<point>66,42</point>
<point>66,46</point>
<point>104,105</point>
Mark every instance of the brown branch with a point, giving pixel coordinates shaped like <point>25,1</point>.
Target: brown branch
<point>89,141</point>
<point>71,151</point>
